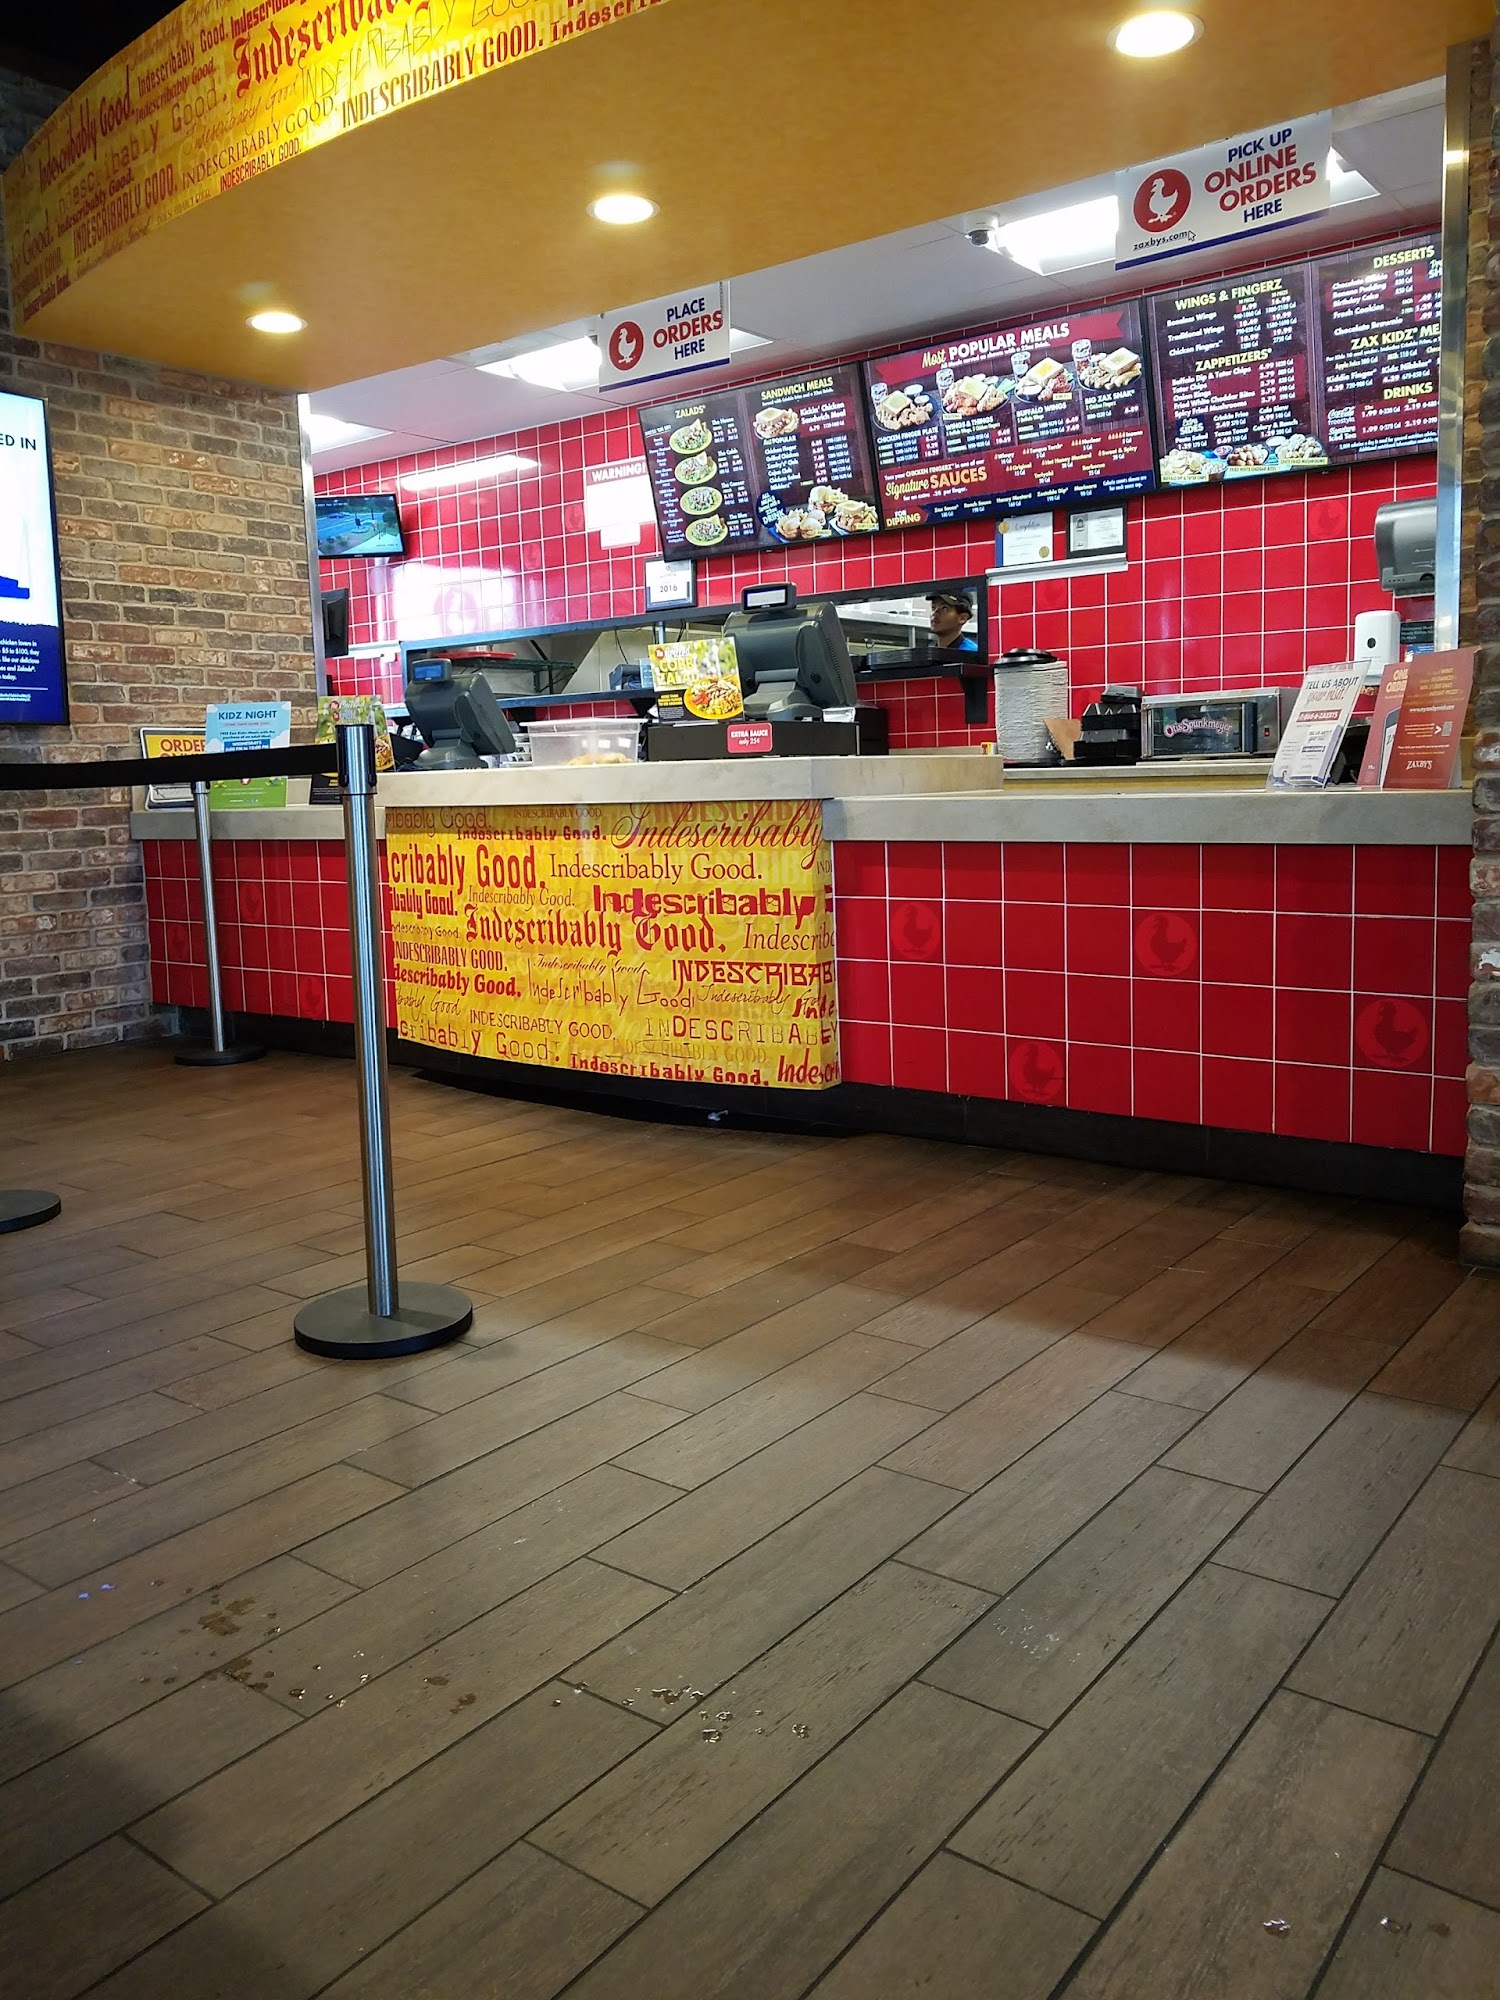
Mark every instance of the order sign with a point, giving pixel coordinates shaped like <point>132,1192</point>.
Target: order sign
<point>691,943</point>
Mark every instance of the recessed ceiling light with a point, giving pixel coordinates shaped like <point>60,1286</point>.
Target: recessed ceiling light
<point>469,473</point>
<point>1161,32</point>
<point>276,322</point>
<point>1060,240</point>
<point>1346,183</point>
<point>328,433</point>
<point>622,208</point>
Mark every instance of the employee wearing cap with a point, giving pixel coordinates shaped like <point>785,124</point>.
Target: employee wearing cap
<point>951,612</point>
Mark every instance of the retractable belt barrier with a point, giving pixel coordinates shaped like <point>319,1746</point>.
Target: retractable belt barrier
<point>381,1318</point>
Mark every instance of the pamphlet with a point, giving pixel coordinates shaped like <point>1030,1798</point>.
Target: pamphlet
<point>1383,721</point>
<point>170,743</point>
<point>247,725</point>
<point>334,709</point>
<point>1310,743</point>
<point>698,678</point>
<point>1429,731</point>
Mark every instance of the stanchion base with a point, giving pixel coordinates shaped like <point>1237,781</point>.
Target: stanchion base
<point>24,1208</point>
<point>341,1325</point>
<point>208,1058</point>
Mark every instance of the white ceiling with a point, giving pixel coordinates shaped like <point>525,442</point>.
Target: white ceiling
<point>915,282</point>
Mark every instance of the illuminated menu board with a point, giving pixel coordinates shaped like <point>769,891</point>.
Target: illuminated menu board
<point>1378,325</point>
<point>33,683</point>
<point>1295,369</point>
<point>997,422</point>
<point>771,466</point>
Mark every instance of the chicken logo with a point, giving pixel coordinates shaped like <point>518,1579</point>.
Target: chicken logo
<point>1391,1034</point>
<point>626,346</point>
<point>1161,200</point>
<point>916,931</point>
<point>1166,945</point>
<point>1036,1072</point>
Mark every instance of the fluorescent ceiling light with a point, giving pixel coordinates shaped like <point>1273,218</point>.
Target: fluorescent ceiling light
<point>327,433</point>
<point>505,465</point>
<point>1062,239</point>
<point>573,365</point>
<point>622,209</point>
<point>276,322</point>
<point>1162,32</point>
<point>1344,184</point>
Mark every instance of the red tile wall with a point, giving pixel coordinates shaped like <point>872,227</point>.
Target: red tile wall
<point>1228,986</point>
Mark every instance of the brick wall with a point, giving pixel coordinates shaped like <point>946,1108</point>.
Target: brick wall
<point>184,581</point>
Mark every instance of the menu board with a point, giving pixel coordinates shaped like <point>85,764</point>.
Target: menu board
<point>1295,369</point>
<point>1000,422</point>
<point>1379,328</point>
<point>769,466</point>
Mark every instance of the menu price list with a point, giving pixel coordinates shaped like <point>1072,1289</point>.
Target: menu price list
<point>1379,322</point>
<point>764,467</point>
<point>1001,421</point>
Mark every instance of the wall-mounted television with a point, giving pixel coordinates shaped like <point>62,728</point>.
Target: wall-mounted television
<point>33,677</point>
<point>359,524</point>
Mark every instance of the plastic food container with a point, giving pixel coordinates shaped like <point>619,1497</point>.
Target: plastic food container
<point>610,742</point>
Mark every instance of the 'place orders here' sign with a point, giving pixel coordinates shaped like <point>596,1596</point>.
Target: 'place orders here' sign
<point>1244,186</point>
<point>669,336</point>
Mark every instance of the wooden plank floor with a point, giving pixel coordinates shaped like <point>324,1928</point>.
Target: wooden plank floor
<point>858,1568</point>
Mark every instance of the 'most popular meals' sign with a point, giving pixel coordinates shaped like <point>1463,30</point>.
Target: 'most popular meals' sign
<point>692,943</point>
<point>218,93</point>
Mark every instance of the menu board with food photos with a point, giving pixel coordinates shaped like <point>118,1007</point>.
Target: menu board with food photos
<point>1000,422</point>
<point>1290,370</point>
<point>769,466</point>
<point>1380,335</point>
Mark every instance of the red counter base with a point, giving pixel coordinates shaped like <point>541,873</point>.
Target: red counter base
<point>1192,1005</point>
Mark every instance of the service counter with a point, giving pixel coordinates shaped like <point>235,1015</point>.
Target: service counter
<point>1166,966</point>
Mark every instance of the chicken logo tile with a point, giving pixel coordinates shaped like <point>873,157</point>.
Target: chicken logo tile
<point>1036,1072</point>
<point>1391,1034</point>
<point>916,931</point>
<point>1166,945</point>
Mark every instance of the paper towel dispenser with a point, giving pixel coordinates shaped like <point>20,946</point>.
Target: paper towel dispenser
<point>1406,547</point>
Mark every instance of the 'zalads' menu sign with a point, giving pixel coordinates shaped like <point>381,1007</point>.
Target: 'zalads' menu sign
<point>999,422</point>
<point>1294,369</point>
<point>774,465</point>
<point>32,683</point>
<point>691,943</point>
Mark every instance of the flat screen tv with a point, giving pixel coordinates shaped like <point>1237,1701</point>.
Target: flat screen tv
<point>359,524</point>
<point>33,680</point>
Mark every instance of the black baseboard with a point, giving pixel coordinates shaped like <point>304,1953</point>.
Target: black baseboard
<point>1320,1166</point>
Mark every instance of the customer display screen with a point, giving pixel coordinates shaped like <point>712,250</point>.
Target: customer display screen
<point>33,684</point>
<point>771,466</point>
<point>1291,370</point>
<point>1030,414</point>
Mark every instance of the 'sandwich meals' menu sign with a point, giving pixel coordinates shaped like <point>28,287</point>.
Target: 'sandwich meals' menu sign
<point>998,422</point>
<point>770,466</point>
<point>1291,370</point>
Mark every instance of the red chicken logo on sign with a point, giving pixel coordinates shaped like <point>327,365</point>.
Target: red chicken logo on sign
<point>1161,200</point>
<point>626,346</point>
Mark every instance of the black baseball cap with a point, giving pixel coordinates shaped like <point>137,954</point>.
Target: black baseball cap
<point>959,599</point>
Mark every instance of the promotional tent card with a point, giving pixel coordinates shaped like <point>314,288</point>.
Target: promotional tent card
<point>1325,703</point>
<point>1383,722</point>
<point>247,725</point>
<point>698,678</point>
<point>1429,731</point>
<point>334,709</point>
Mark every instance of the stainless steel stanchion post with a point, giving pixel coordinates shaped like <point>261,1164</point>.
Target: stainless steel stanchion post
<point>381,1317</point>
<point>219,1051</point>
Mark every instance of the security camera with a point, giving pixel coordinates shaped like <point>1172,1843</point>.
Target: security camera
<point>980,238</point>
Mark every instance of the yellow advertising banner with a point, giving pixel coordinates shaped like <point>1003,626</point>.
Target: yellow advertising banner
<point>692,943</point>
<point>219,92</point>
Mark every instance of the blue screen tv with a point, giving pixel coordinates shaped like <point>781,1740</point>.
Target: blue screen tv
<point>33,671</point>
<point>359,524</point>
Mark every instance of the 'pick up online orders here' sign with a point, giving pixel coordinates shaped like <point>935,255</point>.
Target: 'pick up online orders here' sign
<point>32,683</point>
<point>1244,186</point>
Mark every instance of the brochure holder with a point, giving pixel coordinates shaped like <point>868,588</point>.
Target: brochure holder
<point>380,1318</point>
<point>220,1050</point>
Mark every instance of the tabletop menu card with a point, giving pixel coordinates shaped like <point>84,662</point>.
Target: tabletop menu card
<point>1314,364</point>
<point>1028,415</point>
<point>769,466</point>
<point>1315,729</point>
<point>1429,729</point>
